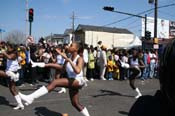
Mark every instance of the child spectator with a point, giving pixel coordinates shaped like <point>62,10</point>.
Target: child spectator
<point>110,68</point>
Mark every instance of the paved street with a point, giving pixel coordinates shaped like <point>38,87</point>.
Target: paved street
<point>102,98</point>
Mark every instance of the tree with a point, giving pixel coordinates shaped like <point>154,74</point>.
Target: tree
<point>16,37</point>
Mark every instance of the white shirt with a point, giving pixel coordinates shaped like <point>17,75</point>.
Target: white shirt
<point>85,56</point>
<point>152,55</point>
<point>134,63</point>
<point>46,57</point>
<point>70,71</point>
<point>12,65</point>
<point>60,60</point>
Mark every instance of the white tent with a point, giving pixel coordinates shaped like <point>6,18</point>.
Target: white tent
<point>135,43</point>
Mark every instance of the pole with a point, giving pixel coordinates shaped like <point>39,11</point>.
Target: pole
<point>128,14</point>
<point>26,18</point>
<point>155,19</point>
<point>73,21</point>
<point>145,24</point>
<point>145,29</point>
<point>30,28</point>
<point>155,40</point>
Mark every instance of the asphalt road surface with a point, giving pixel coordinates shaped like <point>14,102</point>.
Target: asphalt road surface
<point>102,98</point>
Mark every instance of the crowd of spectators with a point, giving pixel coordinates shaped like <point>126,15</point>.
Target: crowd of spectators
<point>99,62</point>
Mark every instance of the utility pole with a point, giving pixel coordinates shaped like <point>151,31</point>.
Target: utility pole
<point>73,28</point>
<point>73,22</point>
<point>155,18</point>
<point>143,43</point>
<point>155,41</point>
<point>145,24</point>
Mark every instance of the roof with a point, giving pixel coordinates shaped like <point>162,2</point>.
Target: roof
<point>102,29</point>
<point>55,36</point>
<point>68,31</point>
<point>58,36</point>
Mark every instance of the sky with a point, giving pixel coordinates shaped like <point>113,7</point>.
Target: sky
<point>54,16</point>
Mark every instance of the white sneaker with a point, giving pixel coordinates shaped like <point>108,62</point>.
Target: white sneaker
<point>19,107</point>
<point>139,95</point>
<point>102,78</point>
<point>26,98</point>
<point>86,79</point>
<point>63,90</point>
<point>22,85</point>
<point>92,79</point>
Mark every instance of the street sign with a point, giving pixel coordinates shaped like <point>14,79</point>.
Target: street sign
<point>2,30</point>
<point>156,46</point>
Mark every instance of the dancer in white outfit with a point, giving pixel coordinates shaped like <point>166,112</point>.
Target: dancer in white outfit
<point>74,82</point>
<point>11,72</point>
<point>135,65</point>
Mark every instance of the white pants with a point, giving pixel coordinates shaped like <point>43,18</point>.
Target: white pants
<point>102,71</point>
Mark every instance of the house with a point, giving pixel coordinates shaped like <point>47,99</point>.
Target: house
<point>68,36</point>
<point>111,37</point>
<point>55,39</point>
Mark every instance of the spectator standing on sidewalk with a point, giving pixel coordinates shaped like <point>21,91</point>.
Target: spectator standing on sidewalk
<point>91,64</point>
<point>103,63</point>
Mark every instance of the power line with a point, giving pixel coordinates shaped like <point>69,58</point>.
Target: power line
<point>135,26</point>
<point>167,13</point>
<point>137,20</point>
<point>168,5</point>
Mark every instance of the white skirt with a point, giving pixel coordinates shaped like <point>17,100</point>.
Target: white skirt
<point>82,81</point>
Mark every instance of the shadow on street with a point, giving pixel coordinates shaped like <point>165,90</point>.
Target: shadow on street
<point>110,93</point>
<point>123,112</point>
<point>3,101</point>
<point>43,111</point>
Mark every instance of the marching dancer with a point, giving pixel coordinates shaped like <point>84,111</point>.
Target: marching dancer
<point>135,65</point>
<point>74,82</point>
<point>11,72</point>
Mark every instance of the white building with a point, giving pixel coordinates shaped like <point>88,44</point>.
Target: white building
<point>68,36</point>
<point>111,37</point>
<point>55,39</point>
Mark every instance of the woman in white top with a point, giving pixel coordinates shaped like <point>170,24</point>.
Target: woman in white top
<point>11,72</point>
<point>74,82</point>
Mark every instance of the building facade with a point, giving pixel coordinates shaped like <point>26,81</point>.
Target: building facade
<point>55,39</point>
<point>111,37</point>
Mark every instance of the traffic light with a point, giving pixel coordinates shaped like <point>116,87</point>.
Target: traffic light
<point>147,35</point>
<point>150,1</point>
<point>109,8</point>
<point>31,13</point>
